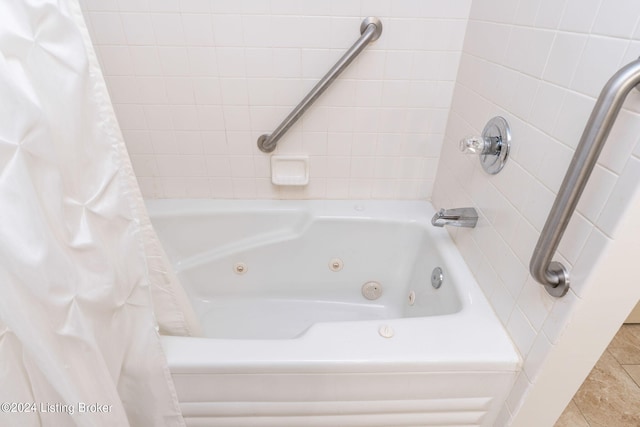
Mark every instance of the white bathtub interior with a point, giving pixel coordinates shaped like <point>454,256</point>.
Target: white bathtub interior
<point>291,320</point>
<point>286,283</point>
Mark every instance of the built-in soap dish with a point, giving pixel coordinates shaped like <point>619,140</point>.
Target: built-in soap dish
<point>290,170</point>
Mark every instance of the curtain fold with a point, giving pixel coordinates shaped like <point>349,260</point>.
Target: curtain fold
<point>80,265</point>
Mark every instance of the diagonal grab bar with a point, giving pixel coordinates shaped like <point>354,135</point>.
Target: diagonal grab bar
<point>552,274</point>
<point>370,31</point>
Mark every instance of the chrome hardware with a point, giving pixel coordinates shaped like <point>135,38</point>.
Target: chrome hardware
<point>459,217</point>
<point>493,146</point>
<point>552,274</point>
<point>437,277</point>
<point>475,145</point>
<point>370,28</point>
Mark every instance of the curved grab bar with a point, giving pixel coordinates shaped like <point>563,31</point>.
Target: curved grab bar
<point>553,275</point>
<point>371,28</point>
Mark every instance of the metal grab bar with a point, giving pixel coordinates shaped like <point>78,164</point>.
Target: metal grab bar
<point>552,274</point>
<point>371,28</point>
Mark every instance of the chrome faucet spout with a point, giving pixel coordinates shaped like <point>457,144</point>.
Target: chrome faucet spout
<point>458,217</point>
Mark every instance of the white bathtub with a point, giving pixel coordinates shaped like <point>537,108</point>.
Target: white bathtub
<point>290,340</point>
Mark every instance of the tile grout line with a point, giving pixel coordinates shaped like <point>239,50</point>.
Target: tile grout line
<point>627,372</point>
<point>580,412</point>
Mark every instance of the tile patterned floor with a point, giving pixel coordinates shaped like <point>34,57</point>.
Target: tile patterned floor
<point>610,396</point>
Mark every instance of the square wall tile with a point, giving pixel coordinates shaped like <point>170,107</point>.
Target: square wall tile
<point>600,60</point>
<point>107,28</point>
<point>579,15</point>
<point>617,18</point>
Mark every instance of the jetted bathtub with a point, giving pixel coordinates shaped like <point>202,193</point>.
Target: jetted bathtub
<point>325,313</point>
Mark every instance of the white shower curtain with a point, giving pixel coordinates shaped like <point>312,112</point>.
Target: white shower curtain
<point>79,262</point>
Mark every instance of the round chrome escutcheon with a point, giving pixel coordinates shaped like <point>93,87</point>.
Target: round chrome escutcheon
<point>498,132</point>
<point>437,277</point>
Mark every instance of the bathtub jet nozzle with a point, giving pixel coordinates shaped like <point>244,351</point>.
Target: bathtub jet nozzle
<point>458,217</point>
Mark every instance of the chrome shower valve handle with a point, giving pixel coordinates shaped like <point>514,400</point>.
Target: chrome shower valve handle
<point>474,145</point>
<point>492,147</point>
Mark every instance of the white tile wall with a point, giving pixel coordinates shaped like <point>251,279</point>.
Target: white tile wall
<point>195,82</point>
<point>540,65</point>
